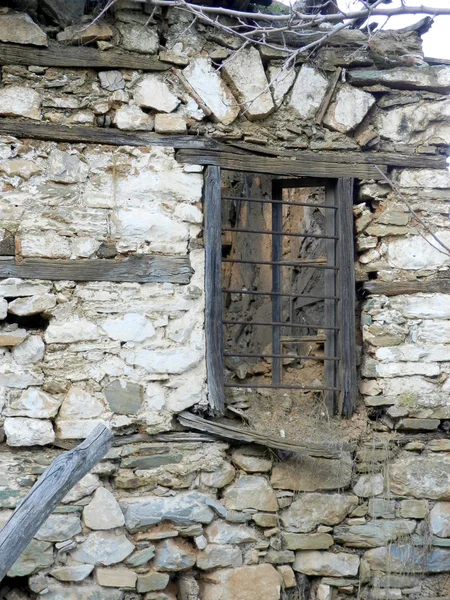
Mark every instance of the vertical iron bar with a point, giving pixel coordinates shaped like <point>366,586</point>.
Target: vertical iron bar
<point>330,369</point>
<point>213,290</point>
<point>277,306</point>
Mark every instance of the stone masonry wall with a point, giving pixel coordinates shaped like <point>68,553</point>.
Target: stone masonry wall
<point>169,515</point>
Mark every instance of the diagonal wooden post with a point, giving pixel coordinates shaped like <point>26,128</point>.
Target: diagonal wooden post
<point>64,472</point>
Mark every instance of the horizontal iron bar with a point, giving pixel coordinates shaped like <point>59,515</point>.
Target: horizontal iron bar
<point>257,293</point>
<point>300,235</point>
<point>284,387</point>
<point>306,357</point>
<point>274,324</point>
<point>280,264</point>
<point>303,338</point>
<point>285,202</point>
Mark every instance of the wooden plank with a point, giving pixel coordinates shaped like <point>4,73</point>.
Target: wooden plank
<point>366,157</point>
<point>98,135</point>
<point>326,100</point>
<point>330,306</point>
<point>65,471</point>
<point>78,57</point>
<point>279,166</point>
<point>277,301</point>
<point>346,258</point>
<point>429,286</point>
<point>229,431</point>
<point>141,269</point>
<point>213,290</point>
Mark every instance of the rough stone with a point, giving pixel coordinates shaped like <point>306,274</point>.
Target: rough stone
<point>245,583</point>
<point>313,509</point>
<point>414,509</point>
<point>19,28</point>
<point>79,404</point>
<point>33,403</point>
<point>251,463</point>
<point>85,592</point>
<point>170,124</point>
<point>217,556</point>
<point>308,92</point>
<point>21,431</point>
<point>212,91</point>
<point>308,541</point>
<point>432,78</point>
<point>124,397</point>
<point>251,492</point>
<point>288,576</point>
<point>12,336</point>
<point>440,519</point>
<point>58,528</point>
<point>152,582</point>
<point>308,474</point>
<point>174,556</point>
<point>76,35</point>
<point>131,327</point>
<point>138,38</point>
<point>372,535</point>
<point>421,476</point>
<point>111,80</point>
<point>349,109</point>
<point>418,424</point>
<point>219,478</point>
<point>141,557</point>
<point>381,508</point>
<point>103,512</point>
<point>392,559</point>
<point>48,244</point>
<point>226,533</point>
<point>37,555</point>
<point>278,557</point>
<point>16,101</point>
<point>118,577</point>
<point>151,92</point>
<point>252,93</point>
<point>14,287</point>
<point>265,519</point>
<point>185,509</point>
<point>103,548</point>
<point>319,564</point>
<point>369,485</point>
<point>133,118</point>
<point>66,168</point>
<point>88,484</point>
<point>76,429</point>
<point>72,572</point>
<point>281,81</point>
<point>424,178</point>
<point>20,168</point>
<point>32,305</point>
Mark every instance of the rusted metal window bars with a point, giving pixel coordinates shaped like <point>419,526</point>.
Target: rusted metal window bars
<point>338,297</point>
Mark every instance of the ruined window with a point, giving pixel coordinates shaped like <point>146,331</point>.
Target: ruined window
<point>280,290</point>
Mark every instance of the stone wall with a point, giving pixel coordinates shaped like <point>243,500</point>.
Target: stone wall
<point>170,515</point>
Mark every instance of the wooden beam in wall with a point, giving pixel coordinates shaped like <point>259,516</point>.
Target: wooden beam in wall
<point>141,269</point>
<point>279,166</point>
<point>436,285</point>
<point>77,56</point>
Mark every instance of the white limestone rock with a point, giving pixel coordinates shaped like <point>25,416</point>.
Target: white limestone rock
<point>133,118</point>
<point>48,244</point>
<point>66,168</point>
<point>132,327</point>
<point>21,431</point>
<point>422,306</point>
<point>111,80</point>
<point>309,89</point>
<point>215,95</point>
<point>174,360</point>
<point>138,38</point>
<point>17,101</point>
<point>348,109</point>
<point>68,332</point>
<point>151,92</point>
<point>14,287</point>
<point>424,178</point>
<point>170,123</point>
<point>103,548</point>
<point>103,512</point>
<point>76,429</point>
<point>79,404</point>
<point>32,305</point>
<point>281,80</point>
<point>33,403</point>
<point>84,247</point>
<point>3,308</point>
<point>368,486</point>
<point>189,213</point>
<point>29,351</point>
<point>15,376</point>
<point>417,252</point>
<point>19,28</point>
<point>20,168</point>
<point>245,75</point>
<point>88,484</point>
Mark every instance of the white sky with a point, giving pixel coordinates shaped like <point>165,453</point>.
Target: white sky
<point>436,43</point>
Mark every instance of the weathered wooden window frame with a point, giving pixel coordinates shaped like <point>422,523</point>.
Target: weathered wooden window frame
<point>342,313</point>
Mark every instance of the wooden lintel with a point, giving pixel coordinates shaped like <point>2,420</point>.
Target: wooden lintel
<point>141,269</point>
<point>280,166</point>
<point>231,432</point>
<point>77,56</point>
<point>440,284</point>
